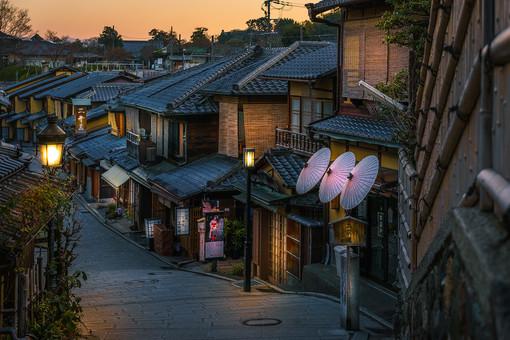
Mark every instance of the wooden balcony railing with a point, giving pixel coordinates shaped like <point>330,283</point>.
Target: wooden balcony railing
<point>133,137</point>
<point>299,142</point>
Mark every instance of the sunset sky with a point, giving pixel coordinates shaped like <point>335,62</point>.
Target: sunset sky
<point>134,18</point>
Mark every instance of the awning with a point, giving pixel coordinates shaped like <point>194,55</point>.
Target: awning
<point>306,221</point>
<point>116,176</point>
<point>34,117</point>
<point>17,117</point>
<point>88,162</point>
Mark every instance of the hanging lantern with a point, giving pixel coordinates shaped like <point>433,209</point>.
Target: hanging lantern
<point>51,144</point>
<point>249,158</point>
<point>81,106</point>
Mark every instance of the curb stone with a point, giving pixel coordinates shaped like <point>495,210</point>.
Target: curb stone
<point>277,289</point>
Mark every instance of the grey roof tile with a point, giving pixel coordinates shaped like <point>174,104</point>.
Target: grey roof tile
<point>287,164</point>
<point>193,178</point>
<point>365,128</point>
<point>106,92</point>
<point>167,93</point>
<point>96,147</point>
<point>310,60</point>
<point>79,85</point>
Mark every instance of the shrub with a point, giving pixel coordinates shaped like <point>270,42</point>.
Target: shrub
<point>237,269</point>
<point>234,238</point>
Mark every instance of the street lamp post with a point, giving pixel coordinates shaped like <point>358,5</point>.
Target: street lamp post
<point>51,146</point>
<point>249,164</point>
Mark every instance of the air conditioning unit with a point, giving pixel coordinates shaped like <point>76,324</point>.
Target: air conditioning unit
<point>143,133</point>
<point>151,154</point>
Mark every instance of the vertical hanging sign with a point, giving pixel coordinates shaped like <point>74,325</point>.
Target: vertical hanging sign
<point>80,106</point>
<point>182,221</point>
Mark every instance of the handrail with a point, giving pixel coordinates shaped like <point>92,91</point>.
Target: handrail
<point>299,142</point>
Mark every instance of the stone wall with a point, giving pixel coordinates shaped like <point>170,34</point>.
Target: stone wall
<point>461,289</point>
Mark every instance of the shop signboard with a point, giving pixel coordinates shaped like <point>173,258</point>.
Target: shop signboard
<point>182,221</point>
<point>214,235</point>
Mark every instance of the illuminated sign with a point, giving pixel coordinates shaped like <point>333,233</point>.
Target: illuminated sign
<point>214,235</point>
<point>81,106</point>
<point>149,226</point>
<point>350,231</point>
<point>182,221</point>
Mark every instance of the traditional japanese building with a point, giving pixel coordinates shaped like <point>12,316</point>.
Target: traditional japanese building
<point>22,253</point>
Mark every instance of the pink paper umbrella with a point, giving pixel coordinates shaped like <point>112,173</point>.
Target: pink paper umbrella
<point>335,178</point>
<point>313,171</point>
<point>360,182</point>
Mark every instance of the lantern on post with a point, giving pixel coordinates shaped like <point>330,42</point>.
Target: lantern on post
<point>350,231</point>
<point>51,144</point>
<point>249,165</point>
<point>80,106</point>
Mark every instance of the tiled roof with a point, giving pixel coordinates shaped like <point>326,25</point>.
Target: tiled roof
<point>106,92</point>
<point>8,166</point>
<point>231,84</point>
<point>197,103</point>
<point>121,157</point>
<point>42,82</point>
<point>17,117</point>
<point>57,81</point>
<point>192,179</point>
<point>79,85</point>
<point>39,76</point>
<point>34,116</point>
<point>96,147</point>
<point>165,94</point>
<point>287,164</point>
<point>308,62</point>
<point>229,183</point>
<point>356,128</point>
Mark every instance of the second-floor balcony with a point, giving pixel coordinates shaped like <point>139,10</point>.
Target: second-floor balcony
<point>299,142</point>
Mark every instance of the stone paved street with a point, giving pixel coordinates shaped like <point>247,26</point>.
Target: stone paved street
<point>132,295</point>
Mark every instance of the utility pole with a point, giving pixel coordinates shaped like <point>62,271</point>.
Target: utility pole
<point>268,4</point>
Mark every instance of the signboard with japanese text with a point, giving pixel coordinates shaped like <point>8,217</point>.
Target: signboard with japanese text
<point>149,226</point>
<point>182,221</point>
<point>214,235</point>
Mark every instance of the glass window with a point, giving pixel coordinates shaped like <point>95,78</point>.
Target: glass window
<point>295,121</point>
<point>306,114</point>
<point>317,110</point>
<point>327,108</point>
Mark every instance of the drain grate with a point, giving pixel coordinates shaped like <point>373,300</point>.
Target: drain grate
<point>262,322</point>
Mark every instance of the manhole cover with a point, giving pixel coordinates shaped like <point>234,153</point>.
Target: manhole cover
<point>263,322</point>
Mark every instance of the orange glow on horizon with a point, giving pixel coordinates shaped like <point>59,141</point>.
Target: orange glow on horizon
<point>134,18</point>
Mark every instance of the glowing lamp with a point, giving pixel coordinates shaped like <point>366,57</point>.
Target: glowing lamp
<point>80,106</point>
<point>249,158</point>
<point>350,231</point>
<point>51,144</point>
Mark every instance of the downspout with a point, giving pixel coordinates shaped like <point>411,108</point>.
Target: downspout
<point>486,99</point>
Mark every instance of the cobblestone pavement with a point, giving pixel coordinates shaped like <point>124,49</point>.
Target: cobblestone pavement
<point>132,295</point>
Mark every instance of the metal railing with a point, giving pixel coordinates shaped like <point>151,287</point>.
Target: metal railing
<point>299,142</point>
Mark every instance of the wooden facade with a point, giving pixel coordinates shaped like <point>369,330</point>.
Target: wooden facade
<point>365,55</point>
<point>250,121</point>
<point>444,84</point>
